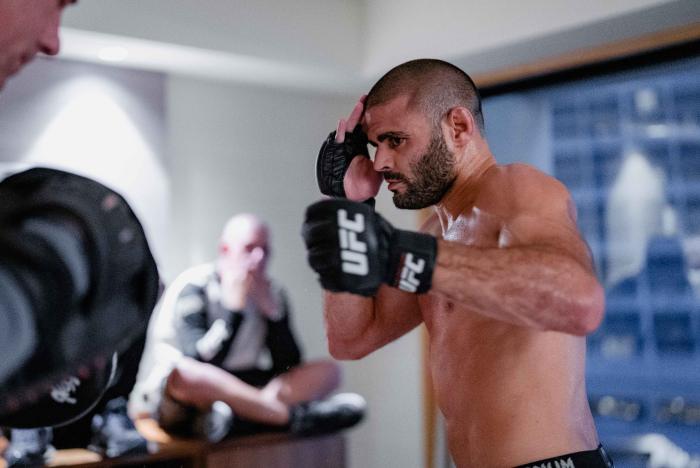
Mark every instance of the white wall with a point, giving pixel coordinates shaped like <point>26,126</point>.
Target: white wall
<point>399,30</point>
<point>322,32</point>
<point>250,149</point>
<point>345,44</point>
<point>243,148</point>
<point>102,122</point>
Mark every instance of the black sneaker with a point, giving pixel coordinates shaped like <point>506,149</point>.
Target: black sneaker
<point>187,421</point>
<point>29,447</point>
<point>215,424</point>
<point>324,416</point>
<point>114,433</point>
<point>175,417</point>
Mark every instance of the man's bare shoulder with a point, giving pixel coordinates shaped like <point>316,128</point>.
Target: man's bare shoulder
<point>524,178</point>
<point>516,188</point>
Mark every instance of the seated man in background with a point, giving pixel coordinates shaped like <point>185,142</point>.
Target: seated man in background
<point>203,367</point>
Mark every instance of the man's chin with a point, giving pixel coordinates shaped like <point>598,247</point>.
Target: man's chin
<point>5,75</point>
<point>404,201</point>
<point>399,199</point>
<point>403,204</point>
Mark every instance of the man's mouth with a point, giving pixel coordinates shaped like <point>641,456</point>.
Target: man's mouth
<point>393,180</point>
<point>393,184</point>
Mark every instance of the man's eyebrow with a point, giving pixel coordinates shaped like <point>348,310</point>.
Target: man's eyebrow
<point>393,134</point>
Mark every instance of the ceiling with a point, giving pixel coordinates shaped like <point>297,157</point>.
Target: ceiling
<point>340,46</point>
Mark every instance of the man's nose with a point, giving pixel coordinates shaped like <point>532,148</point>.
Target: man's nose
<point>49,42</point>
<point>383,161</point>
<point>257,255</point>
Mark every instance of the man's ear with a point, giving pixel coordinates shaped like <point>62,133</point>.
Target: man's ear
<point>461,126</point>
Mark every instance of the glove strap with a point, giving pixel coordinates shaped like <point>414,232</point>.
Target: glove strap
<point>411,261</point>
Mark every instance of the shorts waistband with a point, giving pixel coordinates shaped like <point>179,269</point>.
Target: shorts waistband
<point>597,458</point>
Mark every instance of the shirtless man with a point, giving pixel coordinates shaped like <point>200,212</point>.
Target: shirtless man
<point>499,273</point>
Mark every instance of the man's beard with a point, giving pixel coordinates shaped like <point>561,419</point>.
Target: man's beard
<point>434,174</point>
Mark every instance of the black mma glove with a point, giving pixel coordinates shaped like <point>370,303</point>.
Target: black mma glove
<point>334,159</point>
<point>353,249</point>
<point>76,266</point>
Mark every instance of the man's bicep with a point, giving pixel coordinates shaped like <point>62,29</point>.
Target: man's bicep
<point>543,215</point>
<point>551,230</point>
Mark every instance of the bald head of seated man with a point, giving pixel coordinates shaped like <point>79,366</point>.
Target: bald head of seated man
<point>499,273</point>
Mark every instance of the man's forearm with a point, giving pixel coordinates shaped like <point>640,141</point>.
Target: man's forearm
<point>347,316</point>
<point>527,286</point>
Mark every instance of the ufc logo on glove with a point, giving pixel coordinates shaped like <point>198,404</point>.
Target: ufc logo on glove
<point>353,249</point>
<point>409,281</point>
<point>353,252</point>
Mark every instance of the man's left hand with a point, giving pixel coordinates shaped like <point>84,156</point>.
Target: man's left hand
<point>263,297</point>
<point>354,249</point>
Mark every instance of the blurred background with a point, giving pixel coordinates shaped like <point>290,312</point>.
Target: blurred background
<point>199,110</point>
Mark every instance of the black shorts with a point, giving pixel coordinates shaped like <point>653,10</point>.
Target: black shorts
<point>255,377</point>
<point>589,459</point>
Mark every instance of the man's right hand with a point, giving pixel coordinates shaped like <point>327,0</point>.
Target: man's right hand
<point>236,282</point>
<point>343,166</point>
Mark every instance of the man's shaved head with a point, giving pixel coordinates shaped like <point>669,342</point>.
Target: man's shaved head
<point>433,88</point>
<point>244,243</point>
<point>242,226</point>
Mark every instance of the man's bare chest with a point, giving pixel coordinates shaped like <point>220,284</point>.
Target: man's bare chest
<point>477,229</point>
<point>449,321</point>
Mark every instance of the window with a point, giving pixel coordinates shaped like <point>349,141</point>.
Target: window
<point>627,145</point>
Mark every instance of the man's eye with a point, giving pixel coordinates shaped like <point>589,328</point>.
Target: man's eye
<point>395,141</point>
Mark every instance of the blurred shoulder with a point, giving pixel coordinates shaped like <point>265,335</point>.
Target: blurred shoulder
<point>197,276</point>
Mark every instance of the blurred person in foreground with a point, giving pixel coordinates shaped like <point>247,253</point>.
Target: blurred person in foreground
<point>77,278</point>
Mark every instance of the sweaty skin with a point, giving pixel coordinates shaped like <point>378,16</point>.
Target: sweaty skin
<point>513,294</point>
